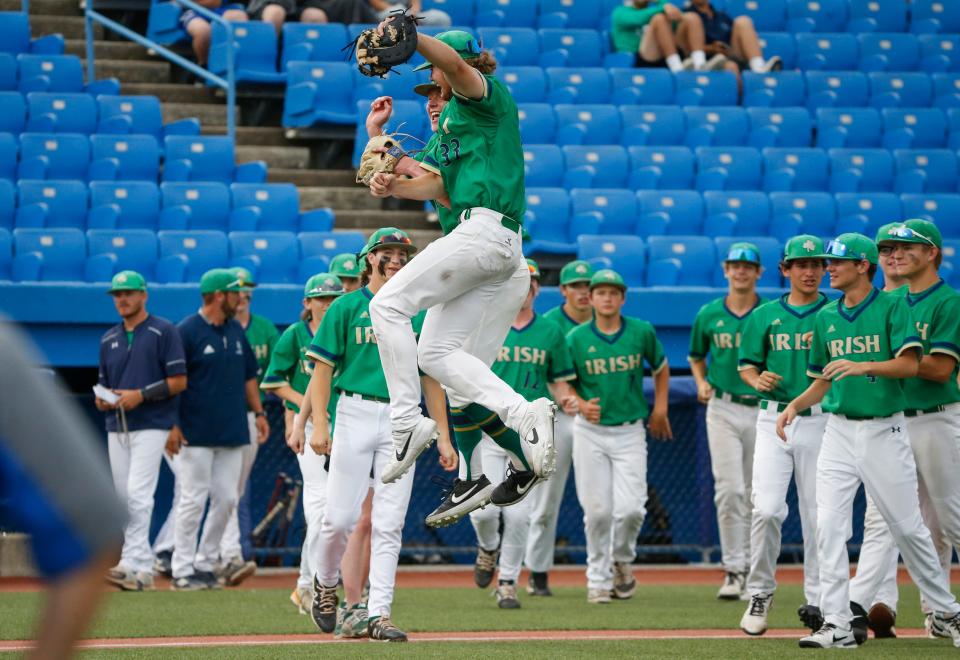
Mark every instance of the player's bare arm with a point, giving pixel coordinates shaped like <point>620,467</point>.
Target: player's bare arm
<point>254,403</point>
<point>436,400</point>
<point>319,389</point>
<point>811,396</point>
<point>765,381</point>
<point>904,365</point>
<point>464,79</point>
<point>175,440</point>
<point>659,423</point>
<point>937,367</point>
<point>289,394</point>
<point>423,188</point>
<point>704,390</point>
<point>381,109</point>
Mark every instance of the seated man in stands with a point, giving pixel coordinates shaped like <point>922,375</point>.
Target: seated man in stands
<point>656,32</point>
<point>311,11</point>
<point>434,17</point>
<point>734,38</point>
<point>199,28</point>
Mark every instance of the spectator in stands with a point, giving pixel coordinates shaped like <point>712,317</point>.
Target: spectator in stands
<point>734,38</point>
<point>199,28</point>
<point>311,11</point>
<point>657,32</point>
<point>428,16</point>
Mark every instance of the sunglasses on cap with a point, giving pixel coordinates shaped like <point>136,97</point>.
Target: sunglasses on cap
<point>904,231</point>
<point>743,254</point>
<point>838,249</point>
<point>394,238</point>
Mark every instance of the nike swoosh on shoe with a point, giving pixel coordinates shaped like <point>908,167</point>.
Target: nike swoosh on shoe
<point>406,445</point>
<point>465,496</point>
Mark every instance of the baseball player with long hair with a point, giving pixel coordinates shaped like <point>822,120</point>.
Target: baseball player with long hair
<point>731,409</point>
<point>609,438</point>
<point>774,346</point>
<point>864,345</point>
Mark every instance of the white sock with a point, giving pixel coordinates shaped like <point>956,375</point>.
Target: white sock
<point>699,59</point>
<point>757,63</point>
<point>674,63</point>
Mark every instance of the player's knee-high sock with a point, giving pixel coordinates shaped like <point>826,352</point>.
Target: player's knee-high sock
<point>468,436</point>
<point>489,422</point>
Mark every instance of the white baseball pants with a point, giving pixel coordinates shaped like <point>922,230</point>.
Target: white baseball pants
<point>610,472</point>
<point>204,472</point>
<point>516,518</point>
<point>314,501</point>
<point>876,578</point>
<point>774,463</point>
<point>230,547</point>
<point>164,540</point>
<point>361,440</point>
<point>472,282</point>
<point>546,499</point>
<point>877,453</point>
<point>135,463</point>
<point>731,435</point>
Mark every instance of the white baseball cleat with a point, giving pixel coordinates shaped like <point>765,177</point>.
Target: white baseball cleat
<point>407,446</point>
<point>933,627</point>
<point>948,626</point>
<point>754,621</point>
<point>829,637</point>
<point>734,586</point>
<point>598,596</point>
<point>536,431</point>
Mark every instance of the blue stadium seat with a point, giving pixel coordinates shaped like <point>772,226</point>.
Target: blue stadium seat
<point>770,253</point>
<point>124,205</point>
<point>61,113</point>
<point>781,44</point>
<point>779,127</point>
<point>625,254</point>
<point>617,208</point>
<point>527,84</point>
<point>836,89</point>
<point>660,167</point>
<point>272,257</point>
<point>330,243</point>
<point>866,212</point>
<point>728,168</point>
<point>512,46</point>
<point>816,15</point>
<point>195,205</point>
<point>54,156</point>
<point>944,210</point>
<point>953,128</point>
<point>8,74</point>
<point>274,207</point>
<point>13,112</point>
<point>580,13</point>
<point>716,127</point>
<point>111,251</point>
<point>583,85</point>
<point>766,14</point>
<point>674,212</point>
<point>860,170</point>
<point>874,16</point>
<point>946,90</point>
<point>49,255</point>
<point>6,253</point>
<point>163,23</point>
<point>254,53</point>
<point>889,52</point>
<point>900,90</point>
<point>208,158</point>
<point>915,128</point>
<point>59,73</point>
<point>583,47</point>
<point>744,213</point>
<point>15,36</point>
<point>120,115</point>
<point>311,42</point>
<point>538,123</point>
<point>596,165</point>
<point>848,127</point>
<point>397,84</point>
<point>653,125</point>
<point>951,251</point>
<point>942,15</point>
<point>408,118</point>
<point>680,261</point>
<point>186,255</point>
<point>641,86</point>
<point>783,89</point>
<point>461,12</point>
<point>548,221</point>
<point>319,92</point>
<point>794,169</point>
<point>9,149</point>
<point>925,170</point>
<point>827,52</point>
<point>588,124</point>
<point>8,204</point>
<point>802,213</point>
<point>514,12</point>
<point>124,158</point>
<point>939,52</point>
<point>706,88</point>
<point>542,165</point>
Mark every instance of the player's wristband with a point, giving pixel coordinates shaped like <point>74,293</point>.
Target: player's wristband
<point>259,413</point>
<point>157,391</point>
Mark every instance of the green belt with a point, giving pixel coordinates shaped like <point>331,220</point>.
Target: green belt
<point>747,400</point>
<point>916,412</point>
<point>507,222</point>
<point>365,397</point>
<point>767,404</point>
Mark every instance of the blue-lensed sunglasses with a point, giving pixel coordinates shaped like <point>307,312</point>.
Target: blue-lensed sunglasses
<point>743,254</point>
<point>904,231</point>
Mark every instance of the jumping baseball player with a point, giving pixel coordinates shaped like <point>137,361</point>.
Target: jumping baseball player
<point>609,439</point>
<point>731,409</point>
<point>863,348</point>
<point>362,443</point>
<point>141,361</point>
<point>474,279</point>
<point>774,347</point>
<point>536,362</point>
<point>933,406</point>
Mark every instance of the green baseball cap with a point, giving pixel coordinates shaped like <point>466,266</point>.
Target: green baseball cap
<point>424,89</point>
<point>387,237</point>
<point>220,279</point>
<point>345,265</point>
<point>461,41</point>
<point>576,271</point>
<point>607,276</point>
<point>127,280</point>
<point>915,230</point>
<point>323,285</point>
<point>534,269</point>
<point>743,251</point>
<point>852,246</point>
<point>804,246</point>
<point>883,234</point>
<point>244,276</point>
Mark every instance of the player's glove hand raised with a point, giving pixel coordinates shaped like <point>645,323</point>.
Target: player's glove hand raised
<point>392,42</point>
<point>381,154</point>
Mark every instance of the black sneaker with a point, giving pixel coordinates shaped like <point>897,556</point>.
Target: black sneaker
<point>324,608</point>
<point>162,564</point>
<point>209,578</point>
<point>484,567</point>
<point>461,498</point>
<point>381,628</point>
<point>858,624</point>
<point>514,488</point>
<point>811,616</point>
<point>537,585</point>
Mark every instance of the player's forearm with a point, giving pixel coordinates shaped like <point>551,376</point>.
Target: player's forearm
<point>699,370</point>
<point>289,395</point>
<point>319,388</point>
<point>422,188</point>
<point>661,388</point>
<point>466,80</point>
<point>176,384</point>
<point>905,365</point>
<point>937,368</point>
<point>306,408</point>
<point>436,400</point>
<point>253,396</point>
<point>812,395</point>
<point>750,376</point>
<point>561,389</point>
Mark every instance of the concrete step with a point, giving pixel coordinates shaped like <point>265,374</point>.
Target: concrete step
<point>363,219</point>
<point>172,93</point>
<point>312,177</point>
<point>285,157</point>
<point>109,50</point>
<point>71,27</point>
<point>49,7</point>
<point>267,136</point>
<point>207,113</point>
<point>356,198</point>
<point>132,71</point>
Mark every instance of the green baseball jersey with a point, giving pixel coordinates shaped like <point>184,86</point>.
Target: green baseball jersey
<point>447,218</point>
<point>610,367</point>
<point>478,153</point>
<point>533,356</point>
<point>936,313</point>
<point>262,335</point>
<point>560,317</point>
<point>345,341</point>
<point>776,337</point>
<point>289,364</point>
<point>878,329</point>
<point>716,333</point>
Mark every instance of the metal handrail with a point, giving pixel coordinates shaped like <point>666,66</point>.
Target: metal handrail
<point>229,84</point>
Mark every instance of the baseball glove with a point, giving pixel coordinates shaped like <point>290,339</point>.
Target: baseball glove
<point>373,162</point>
<point>378,53</point>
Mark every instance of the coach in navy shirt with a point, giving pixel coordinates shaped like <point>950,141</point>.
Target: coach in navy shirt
<point>142,362</point>
<point>213,427</point>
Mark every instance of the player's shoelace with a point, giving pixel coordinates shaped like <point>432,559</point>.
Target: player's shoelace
<point>951,625</point>
<point>622,574</point>
<point>486,561</point>
<point>758,605</point>
<point>507,591</point>
<point>384,627</point>
<point>328,600</point>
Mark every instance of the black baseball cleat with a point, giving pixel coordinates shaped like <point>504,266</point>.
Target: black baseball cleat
<point>324,608</point>
<point>515,487</point>
<point>858,624</point>
<point>537,585</point>
<point>811,616</point>
<point>460,499</point>
<point>484,567</point>
<point>381,629</point>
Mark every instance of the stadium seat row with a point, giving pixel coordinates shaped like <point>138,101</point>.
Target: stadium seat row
<point>68,254</point>
<point>49,73</point>
<point>15,36</point>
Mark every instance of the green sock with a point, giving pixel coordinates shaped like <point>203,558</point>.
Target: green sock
<point>489,422</point>
<point>467,436</point>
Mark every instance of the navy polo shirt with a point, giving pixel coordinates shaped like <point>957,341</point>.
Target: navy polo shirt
<point>213,409</point>
<point>718,28</point>
<point>156,353</point>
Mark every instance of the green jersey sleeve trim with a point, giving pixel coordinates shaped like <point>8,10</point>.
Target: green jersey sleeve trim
<point>318,353</point>
<point>946,348</point>
<point>274,384</point>
<point>659,367</point>
<point>910,342</point>
<point>566,375</point>
<point>486,92</point>
<point>692,357</point>
<point>748,364</point>
<point>813,371</point>
<point>430,165</point>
